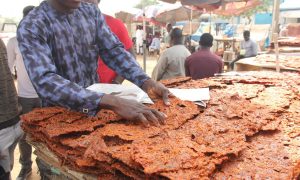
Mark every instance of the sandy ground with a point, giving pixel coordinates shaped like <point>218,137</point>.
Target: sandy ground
<point>150,64</point>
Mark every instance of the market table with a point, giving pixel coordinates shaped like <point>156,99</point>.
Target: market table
<point>252,64</point>
<point>244,132</point>
<point>228,43</point>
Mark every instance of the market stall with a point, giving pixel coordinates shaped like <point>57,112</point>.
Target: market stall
<point>244,132</point>
<point>268,62</point>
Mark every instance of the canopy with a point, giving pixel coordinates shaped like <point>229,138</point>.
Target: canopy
<point>180,13</point>
<point>209,5</point>
<point>290,5</point>
<point>127,15</point>
<point>236,8</point>
<point>290,14</point>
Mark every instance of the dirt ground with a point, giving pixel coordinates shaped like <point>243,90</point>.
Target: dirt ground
<point>150,64</point>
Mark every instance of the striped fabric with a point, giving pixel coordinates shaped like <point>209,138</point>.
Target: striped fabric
<point>8,94</point>
<point>61,51</point>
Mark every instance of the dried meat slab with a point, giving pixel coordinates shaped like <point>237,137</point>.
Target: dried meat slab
<point>98,151</point>
<point>215,141</point>
<point>78,124</point>
<point>41,114</point>
<point>236,113</point>
<point>178,113</point>
<point>202,83</point>
<point>248,91</point>
<point>168,153</point>
<point>276,98</point>
<point>107,116</point>
<point>131,173</point>
<point>64,128</point>
<point>175,81</point>
<point>193,173</point>
<point>266,157</point>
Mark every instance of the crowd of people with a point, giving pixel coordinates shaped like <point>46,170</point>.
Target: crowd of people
<point>177,60</point>
<point>62,47</point>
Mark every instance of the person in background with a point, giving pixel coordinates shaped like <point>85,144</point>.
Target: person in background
<point>167,37</point>
<point>248,48</point>
<point>10,129</point>
<point>107,75</point>
<point>155,44</point>
<point>139,34</point>
<point>171,62</point>
<point>284,31</point>
<point>203,63</point>
<point>27,97</point>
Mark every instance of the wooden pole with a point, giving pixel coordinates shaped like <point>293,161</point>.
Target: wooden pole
<point>144,43</point>
<point>275,19</point>
<point>275,31</point>
<point>275,38</point>
<point>191,18</point>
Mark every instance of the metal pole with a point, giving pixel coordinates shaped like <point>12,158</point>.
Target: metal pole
<point>144,43</point>
<point>144,56</point>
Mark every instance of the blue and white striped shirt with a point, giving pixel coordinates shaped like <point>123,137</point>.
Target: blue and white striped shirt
<point>60,53</point>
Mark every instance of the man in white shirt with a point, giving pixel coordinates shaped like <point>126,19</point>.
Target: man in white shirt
<point>171,62</point>
<point>155,44</point>
<point>27,97</point>
<point>248,48</point>
<point>167,37</point>
<point>139,39</point>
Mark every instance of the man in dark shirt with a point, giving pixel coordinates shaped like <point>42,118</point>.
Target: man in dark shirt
<point>60,42</point>
<point>203,63</point>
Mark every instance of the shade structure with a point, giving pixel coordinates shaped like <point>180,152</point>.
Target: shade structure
<point>190,28</point>
<point>180,13</point>
<point>290,14</point>
<point>148,13</point>
<point>193,2</point>
<point>127,15</point>
<point>236,8</point>
<point>200,4</point>
<point>208,5</point>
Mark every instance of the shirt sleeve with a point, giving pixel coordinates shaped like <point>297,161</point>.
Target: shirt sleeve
<point>160,67</point>
<point>115,56</point>
<point>11,55</point>
<point>186,66</point>
<point>51,87</point>
<point>221,66</point>
<point>254,48</point>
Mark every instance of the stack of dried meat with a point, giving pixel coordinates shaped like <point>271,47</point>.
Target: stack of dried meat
<point>250,129</point>
<point>285,61</point>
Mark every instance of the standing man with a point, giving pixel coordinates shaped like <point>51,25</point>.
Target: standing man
<point>167,37</point>
<point>139,35</point>
<point>107,75</point>
<point>27,97</point>
<point>60,41</point>
<point>10,130</point>
<point>203,63</point>
<point>171,61</point>
<point>248,48</point>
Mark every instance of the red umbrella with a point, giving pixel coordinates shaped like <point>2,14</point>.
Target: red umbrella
<point>199,4</point>
<point>236,8</point>
<point>210,5</point>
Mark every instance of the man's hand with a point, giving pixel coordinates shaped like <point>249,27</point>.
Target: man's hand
<point>155,89</point>
<point>132,110</point>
